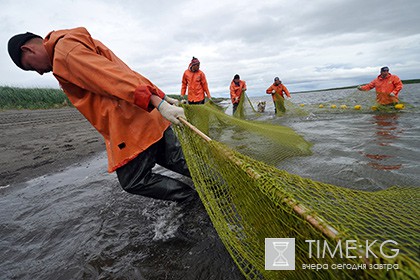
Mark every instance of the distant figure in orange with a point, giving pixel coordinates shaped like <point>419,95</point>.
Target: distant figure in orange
<point>276,90</point>
<point>387,87</point>
<point>196,82</point>
<point>237,87</point>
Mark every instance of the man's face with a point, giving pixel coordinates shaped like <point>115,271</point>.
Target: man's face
<point>277,82</point>
<point>384,73</point>
<point>35,58</point>
<point>195,67</point>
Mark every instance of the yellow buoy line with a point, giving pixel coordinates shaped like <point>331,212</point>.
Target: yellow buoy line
<point>399,106</point>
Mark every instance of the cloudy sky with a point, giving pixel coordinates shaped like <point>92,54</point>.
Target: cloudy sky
<point>310,45</point>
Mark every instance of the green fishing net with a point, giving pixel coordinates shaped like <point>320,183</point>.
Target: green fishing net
<point>249,198</point>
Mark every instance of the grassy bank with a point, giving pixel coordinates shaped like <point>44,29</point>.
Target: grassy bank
<point>40,98</point>
<point>32,98</point>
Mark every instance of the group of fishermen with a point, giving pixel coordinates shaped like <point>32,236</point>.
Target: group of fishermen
<point>387,87</point>
<point>133,115</point>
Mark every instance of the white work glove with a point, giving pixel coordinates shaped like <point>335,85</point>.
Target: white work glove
<point>171,112</point>
<point>172,101</point>
<point>392,94</point>
<point>359,87</point>
<point>273,91</point>
<point>236,99</point>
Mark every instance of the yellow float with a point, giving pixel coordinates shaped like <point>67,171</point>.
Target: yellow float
<point>399,106</point>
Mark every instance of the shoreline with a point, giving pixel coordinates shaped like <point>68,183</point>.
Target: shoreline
<point>40,142</point>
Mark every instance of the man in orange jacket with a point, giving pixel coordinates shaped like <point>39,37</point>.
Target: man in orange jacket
<point>237,87</point>
<point>196,82</point>
<point>276,90</point>
<point>387,87</point>
<point>132,114</point>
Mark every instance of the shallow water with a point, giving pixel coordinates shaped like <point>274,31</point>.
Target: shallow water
<point>79,224</point>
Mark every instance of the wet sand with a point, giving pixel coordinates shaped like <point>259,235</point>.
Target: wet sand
<point>39,142</point>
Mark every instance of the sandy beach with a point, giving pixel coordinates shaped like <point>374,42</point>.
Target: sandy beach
<point>38,142</point>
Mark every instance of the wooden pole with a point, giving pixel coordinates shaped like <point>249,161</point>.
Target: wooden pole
<point>196,130</point>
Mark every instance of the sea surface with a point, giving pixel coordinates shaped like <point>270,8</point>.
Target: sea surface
<point>361,149</point>
<point>79,224</point>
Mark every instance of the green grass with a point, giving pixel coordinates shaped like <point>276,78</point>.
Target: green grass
<point>37,98</point>
<point>32,98</point>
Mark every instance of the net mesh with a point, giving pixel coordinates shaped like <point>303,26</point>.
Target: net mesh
<point>245,107</point>
<point>249,198</point>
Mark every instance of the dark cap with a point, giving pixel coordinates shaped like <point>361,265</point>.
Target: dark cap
<point>385,68</point>
<point>194,61</point>
<point>15,44</point>
<point>236,77</point>
<point>276,79</point>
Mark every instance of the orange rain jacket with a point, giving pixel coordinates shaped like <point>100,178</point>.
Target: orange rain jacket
<point>197,85</point>
<point>236,91</point>
<point>385,86</point>
<point>279,89</point>
<point>113,98</point>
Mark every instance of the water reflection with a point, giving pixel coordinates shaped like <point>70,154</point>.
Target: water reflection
<point>386,133</point>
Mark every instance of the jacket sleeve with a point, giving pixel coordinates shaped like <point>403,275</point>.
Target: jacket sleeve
<point>286,91</point>
<point>232,92</point>
<point>398,86</point>
<point>269,90</point>
<point>369,86</point>
<point>244,87</point>
<point>184,84</point>
<point>95,73</point>
<point>205,85</point>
